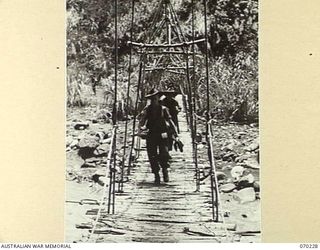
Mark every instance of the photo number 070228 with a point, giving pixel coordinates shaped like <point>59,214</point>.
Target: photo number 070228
<point>162,132</point>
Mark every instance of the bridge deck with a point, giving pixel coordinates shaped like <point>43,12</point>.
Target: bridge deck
<point>171,212</point>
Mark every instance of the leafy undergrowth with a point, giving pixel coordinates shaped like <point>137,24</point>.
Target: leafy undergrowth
<point>233,53</point>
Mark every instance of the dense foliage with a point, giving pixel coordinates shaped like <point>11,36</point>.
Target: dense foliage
<point>233,48</point>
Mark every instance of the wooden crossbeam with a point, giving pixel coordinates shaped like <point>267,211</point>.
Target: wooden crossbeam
<point>177,72</point>
<point>167,68</point>
<point>164,52</point>
<point>175,45</point>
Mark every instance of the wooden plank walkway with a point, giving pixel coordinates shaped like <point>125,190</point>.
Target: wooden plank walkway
<point>171,212</point>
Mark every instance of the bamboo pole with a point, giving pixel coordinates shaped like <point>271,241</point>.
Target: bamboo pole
<point>135,115</point>
<point>120,187</point>
<point>174,45</point>
<point>168,68</point>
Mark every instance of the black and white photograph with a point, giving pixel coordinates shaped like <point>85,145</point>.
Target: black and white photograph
<point>162,121</point>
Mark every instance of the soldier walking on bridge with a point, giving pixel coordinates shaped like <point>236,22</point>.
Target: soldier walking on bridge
<point>168,100</point>
<point>157,120</point>
<point>173,106</point>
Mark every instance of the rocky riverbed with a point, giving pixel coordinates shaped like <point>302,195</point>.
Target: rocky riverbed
<point>236,151</point>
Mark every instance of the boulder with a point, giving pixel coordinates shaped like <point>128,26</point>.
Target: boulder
<point>100,135</point>
<point>229,156</point>
<point>226,214</point>
<point>221,175</point>
<point>256,186</point>
<point>227,188</point>
<point>74,143</point>
<point>253,146</point>
<point>93,160</point>
<point>81,125</point>
<point>240,134</point>
<point>107,135</point>
<point>245,181</point>
<point>104,116</point>
<point>242,158</point>
<point>198,137</point>
<point>229,146</point>
<point>69,140</point>
<point>99,178</point>
<point>245,195</point>
<point>251,163</point>
<point>236,172</point>
<point>247,178</point>
<point>87,145</point>
<point>101,150</point>
<point>88,165</point>
<point>89,142</point>
<point>106,141</point>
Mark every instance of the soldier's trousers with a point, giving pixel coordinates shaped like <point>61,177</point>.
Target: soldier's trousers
<point>158,154</point>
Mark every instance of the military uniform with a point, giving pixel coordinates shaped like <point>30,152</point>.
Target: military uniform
<point>156,119</point>
<point>157,122</point>
<point>174,109</point>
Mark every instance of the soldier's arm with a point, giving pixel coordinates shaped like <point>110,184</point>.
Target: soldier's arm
<point>143,118</point>
<point>167,115</point>
<point>178,108</point>
<point>169,119</point>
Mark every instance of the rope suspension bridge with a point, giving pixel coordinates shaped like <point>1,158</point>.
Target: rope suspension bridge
<point>188,208</point>
<point>171,212</point>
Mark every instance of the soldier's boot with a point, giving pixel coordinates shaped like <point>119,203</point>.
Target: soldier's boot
<point>165,175</point>
<point>157,179</point>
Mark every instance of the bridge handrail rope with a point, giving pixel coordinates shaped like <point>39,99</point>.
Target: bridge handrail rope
<point>191,112</point>
<point>194,144</point>
<point>120,188</point>
<point>140,79</point>
<point>102,200</point>
<point>213,172</point>
<point>142,93</point>
<point>112,187</point>
<point>213,177</point>
<point>189,93</point>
